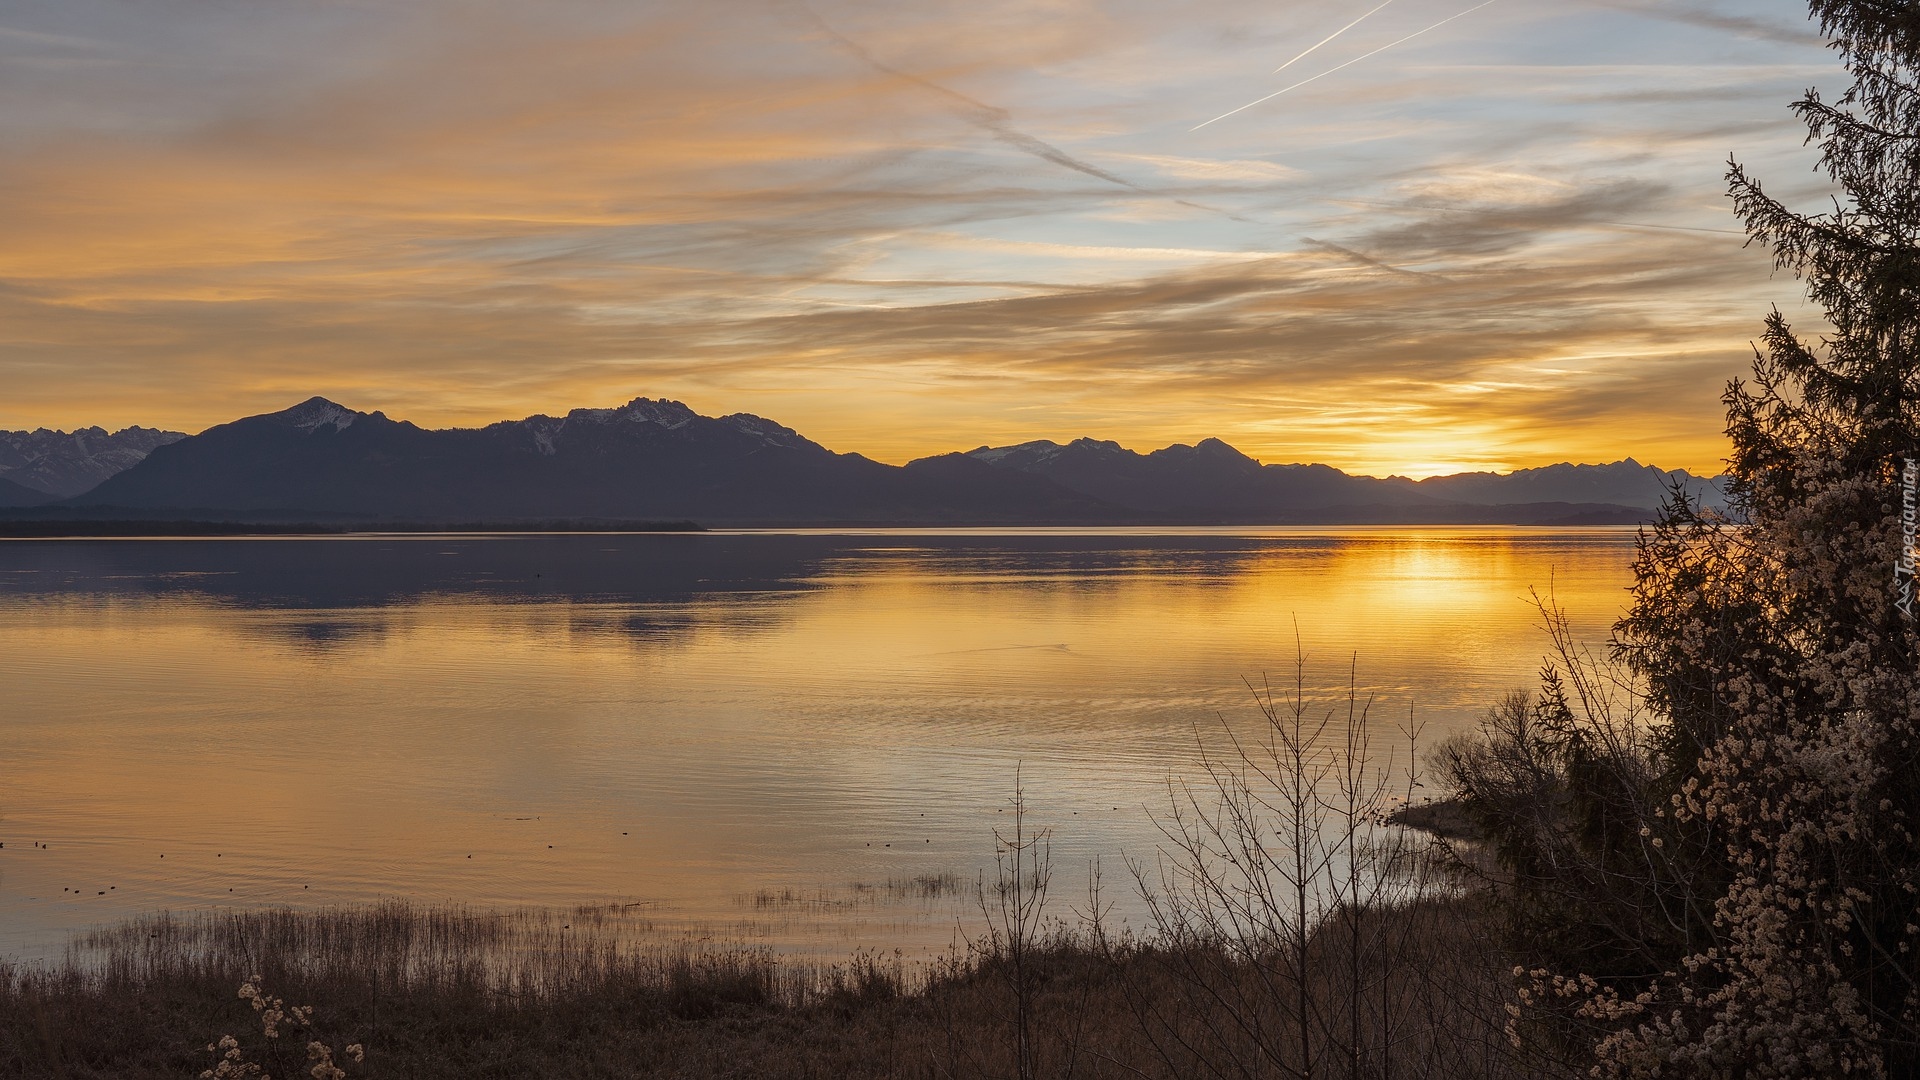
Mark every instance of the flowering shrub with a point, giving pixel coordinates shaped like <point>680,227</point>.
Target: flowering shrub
<point>274,1014</point>
<point>1735,878</point>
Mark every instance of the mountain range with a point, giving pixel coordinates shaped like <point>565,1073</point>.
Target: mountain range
<point>1212,478</point>
<point>62,464</point>
<point>658,460</point>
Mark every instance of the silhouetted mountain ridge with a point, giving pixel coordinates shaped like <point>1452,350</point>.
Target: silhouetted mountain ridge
<point>646,460</point>
<point>1211,477</point>
<point>659,460</point>
<point>1625,481</point>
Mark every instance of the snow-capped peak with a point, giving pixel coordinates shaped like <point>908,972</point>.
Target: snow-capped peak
<point>668,414</point>
<point>317,412</point>
<point>1027,453</point>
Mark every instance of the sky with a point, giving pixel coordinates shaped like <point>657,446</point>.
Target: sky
<point>1454,235</point>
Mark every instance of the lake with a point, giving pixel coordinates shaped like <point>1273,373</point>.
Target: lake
<point>733,734</point>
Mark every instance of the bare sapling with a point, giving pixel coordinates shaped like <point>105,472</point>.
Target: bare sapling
<point>1288,909</point>
<point>1015,913</point>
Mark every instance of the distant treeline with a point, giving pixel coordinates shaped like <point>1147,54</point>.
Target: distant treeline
<point>30,528</point>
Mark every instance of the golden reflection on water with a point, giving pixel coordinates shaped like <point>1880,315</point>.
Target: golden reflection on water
<point>685,721</point>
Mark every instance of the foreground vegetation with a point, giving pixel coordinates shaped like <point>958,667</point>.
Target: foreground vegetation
<point>1705,845</point>
<point>435,992</point>
<point>1713,832</point>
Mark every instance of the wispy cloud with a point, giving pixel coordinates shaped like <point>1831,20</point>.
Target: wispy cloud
<point>58,41</point>
<point>461,212</point>
<point>1712,18</point>
<point>991,118</point>
<point>1229,170</point>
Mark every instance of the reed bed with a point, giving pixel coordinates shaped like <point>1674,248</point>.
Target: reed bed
<point>404,948</point>
<point>431,991</point>
<point>893,891</point>
<point>435,992</point>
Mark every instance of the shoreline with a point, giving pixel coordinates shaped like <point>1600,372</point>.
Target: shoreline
<point>432,992</point>
<point>1445,818</point>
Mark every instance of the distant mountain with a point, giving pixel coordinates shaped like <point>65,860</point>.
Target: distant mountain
<point>658,460</point>
<point>12,494</point>
<point>1627,482</point>
<point>62,464</point>
<point>1212,478</point>
<point>1209,478</point>
<point>647,460</point>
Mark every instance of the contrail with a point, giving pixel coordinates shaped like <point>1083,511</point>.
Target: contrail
<point>1349,63</point>
<point>1331,36</point>
<point>998,122</point>
<point>995,120</point>
<point>1368,260</point>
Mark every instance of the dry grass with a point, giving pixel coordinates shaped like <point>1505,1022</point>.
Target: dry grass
<point>439,992</point>
<point>920,887</point>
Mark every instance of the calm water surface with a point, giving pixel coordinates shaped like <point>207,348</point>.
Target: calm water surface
<point>683,721</point>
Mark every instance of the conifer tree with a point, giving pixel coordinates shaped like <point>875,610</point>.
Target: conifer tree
<point>1754,889</point>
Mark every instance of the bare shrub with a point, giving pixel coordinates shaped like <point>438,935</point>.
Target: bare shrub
<point>1295,932</point>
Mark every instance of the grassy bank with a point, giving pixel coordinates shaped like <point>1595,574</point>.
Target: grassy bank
<point>433,992</point>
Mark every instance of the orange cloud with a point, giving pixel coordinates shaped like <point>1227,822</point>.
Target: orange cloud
<point>1439,258</point>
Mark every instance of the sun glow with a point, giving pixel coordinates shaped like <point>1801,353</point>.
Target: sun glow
<point>936,227</point>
